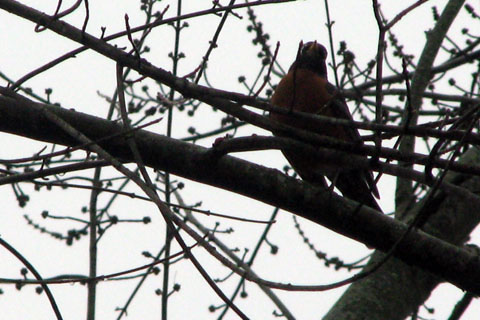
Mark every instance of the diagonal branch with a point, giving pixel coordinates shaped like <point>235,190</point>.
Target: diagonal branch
<point>459,266</point>
<point>420,81</point>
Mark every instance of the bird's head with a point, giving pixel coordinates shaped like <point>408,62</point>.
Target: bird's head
<point>312,56</point>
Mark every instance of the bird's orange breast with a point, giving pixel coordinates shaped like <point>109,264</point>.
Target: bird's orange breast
<point>303,90</point>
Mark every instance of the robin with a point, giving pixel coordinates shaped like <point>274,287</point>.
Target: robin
<point>305,88</point>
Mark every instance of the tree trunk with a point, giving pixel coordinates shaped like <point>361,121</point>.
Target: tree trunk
<point>396,290</point>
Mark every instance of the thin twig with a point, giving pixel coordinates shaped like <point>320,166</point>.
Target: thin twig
<point>267,77</point>
<point>213,42</point>
<point>32,269</point>
<point>141,28</point>
<point>129,36</point>
<point>329,25</point>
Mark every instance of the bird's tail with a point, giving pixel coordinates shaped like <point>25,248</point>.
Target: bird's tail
<point>352,184</point>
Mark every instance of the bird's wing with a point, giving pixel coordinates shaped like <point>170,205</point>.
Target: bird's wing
<point>342,112</point>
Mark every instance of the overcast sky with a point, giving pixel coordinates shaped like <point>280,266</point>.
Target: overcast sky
<point>79,83</point>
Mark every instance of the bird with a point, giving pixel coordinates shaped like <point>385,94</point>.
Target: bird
<point>305,88</point>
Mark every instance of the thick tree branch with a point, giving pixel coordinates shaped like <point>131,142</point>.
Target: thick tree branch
<point>406,286</point>
<point>459,266</point>
<point>217,98</point>
<point>420,81</point>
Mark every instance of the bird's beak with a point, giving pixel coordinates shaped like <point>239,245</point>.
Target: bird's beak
<point>312,48</point>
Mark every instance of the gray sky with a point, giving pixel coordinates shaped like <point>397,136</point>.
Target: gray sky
<point>76,84</point>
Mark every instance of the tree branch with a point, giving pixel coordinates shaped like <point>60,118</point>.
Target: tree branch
<point>459,266</point>
<point>420,81</point>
